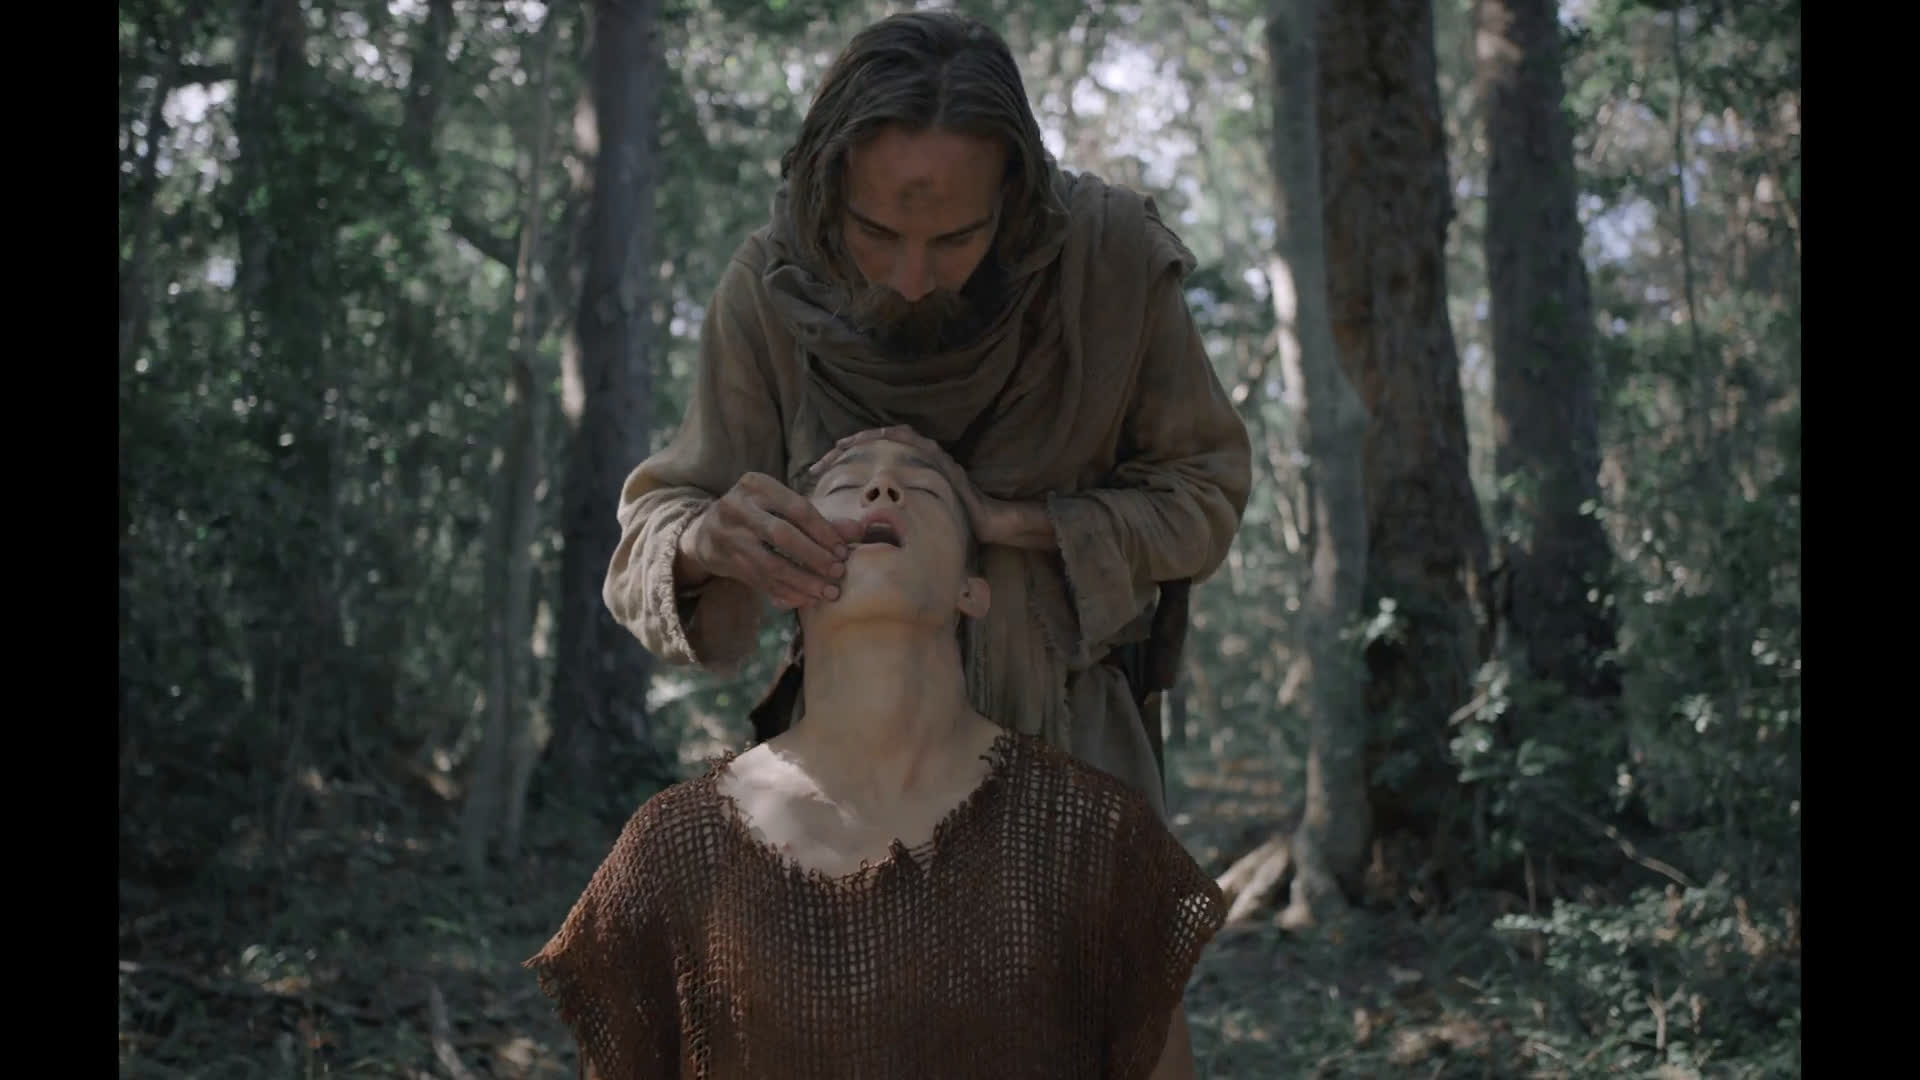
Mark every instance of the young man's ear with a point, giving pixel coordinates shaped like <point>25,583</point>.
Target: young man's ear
<point>975,597</point>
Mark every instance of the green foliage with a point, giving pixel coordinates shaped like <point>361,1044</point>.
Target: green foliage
<point>1692,979</point>
<point>1714,694</point>
<point>312,412</point>
<point>1699,417</point>
<point>308,427</point>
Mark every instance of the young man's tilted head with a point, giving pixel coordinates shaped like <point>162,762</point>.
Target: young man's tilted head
<point>916,563</point>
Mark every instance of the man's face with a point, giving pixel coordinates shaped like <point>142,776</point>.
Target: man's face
<point>920,216</point>
<point>911,564</point>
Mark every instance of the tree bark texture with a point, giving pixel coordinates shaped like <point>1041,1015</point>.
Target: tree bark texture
<point>495,797</point>
<point>1384,179</point>
<point>601,673</point>
<point>1328,848</point>
<point>1545,427</point>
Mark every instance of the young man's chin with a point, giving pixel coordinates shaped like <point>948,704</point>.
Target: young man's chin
<point>879,603</point>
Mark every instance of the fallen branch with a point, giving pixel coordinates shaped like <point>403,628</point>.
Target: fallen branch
<point>1254,877</point>
<point>442,1033</point>
<point>1470,708</point>
<point>1658,866</point>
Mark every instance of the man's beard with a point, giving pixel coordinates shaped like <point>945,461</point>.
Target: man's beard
<point>938,322</point>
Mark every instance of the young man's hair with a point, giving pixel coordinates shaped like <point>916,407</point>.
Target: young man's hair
<point>922,70</point>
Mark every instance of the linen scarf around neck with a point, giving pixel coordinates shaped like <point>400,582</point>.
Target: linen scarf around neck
<point>855,381</point>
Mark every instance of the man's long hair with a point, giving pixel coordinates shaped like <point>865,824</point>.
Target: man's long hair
<point>921,70</point>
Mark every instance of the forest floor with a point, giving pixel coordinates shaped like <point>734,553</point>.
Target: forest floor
<point>361,952</point>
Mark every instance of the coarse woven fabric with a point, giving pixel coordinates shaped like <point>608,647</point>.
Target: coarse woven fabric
<point>1047,929</point>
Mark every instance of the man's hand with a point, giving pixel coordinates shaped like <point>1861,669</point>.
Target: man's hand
<point>763,534</point>
<point>990,516</point>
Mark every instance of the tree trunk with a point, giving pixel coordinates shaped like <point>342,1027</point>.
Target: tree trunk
<point>426,86</point>
<point>600,674</point>
<point>494,797</point>
<point>285,234</point>
<point>530,411</point>
<point>1384,179</point>
<point>1546,429</point>
<point>136,292</point>
<point>413,345</point>
<point>1330,843</point>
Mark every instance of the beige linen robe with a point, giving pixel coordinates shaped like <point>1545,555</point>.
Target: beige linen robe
<point>1091,394</point>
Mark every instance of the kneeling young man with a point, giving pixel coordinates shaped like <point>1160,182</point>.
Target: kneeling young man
<point>896,886</point>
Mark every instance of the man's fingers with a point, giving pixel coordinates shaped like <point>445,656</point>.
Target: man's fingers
<point>859,437</point>
<point>791,524</point>
<point>775,569</point>
<point>832,456</point>
<point>783,583</point>
<point>896,433</point>
<point>790,585</point>
<point>759,506</point>
<point>904,434</point>
<point>787,601</point>
<point>849,442</point>
<point>801,514</point>
<point>913,438</point>
<point>799,547</point>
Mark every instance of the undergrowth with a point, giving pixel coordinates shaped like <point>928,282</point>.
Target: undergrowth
<point>358,950</point>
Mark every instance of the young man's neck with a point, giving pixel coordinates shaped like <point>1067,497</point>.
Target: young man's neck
<point>886,710</point>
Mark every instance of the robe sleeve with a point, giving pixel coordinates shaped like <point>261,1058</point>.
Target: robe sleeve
<point>732,426</point>
<point>1174,502</point>
<point>1173,912</point>
<point>610,969</point>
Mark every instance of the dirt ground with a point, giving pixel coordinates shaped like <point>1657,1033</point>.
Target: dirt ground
<point>361,952</point>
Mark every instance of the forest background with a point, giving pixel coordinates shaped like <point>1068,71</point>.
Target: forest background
<point>1490,725</point>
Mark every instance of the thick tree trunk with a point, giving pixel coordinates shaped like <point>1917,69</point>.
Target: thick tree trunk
<point>1328,847</point>
<point>600,676</point>
<point>1546,430</point>
<point>1384,179</point>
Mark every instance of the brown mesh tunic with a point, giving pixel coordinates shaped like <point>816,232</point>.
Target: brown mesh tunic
<point>1047,930</point>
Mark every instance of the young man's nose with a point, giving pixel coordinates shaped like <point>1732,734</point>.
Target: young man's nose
<point>883,491</point>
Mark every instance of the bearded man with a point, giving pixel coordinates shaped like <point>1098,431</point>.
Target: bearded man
<point>929,274</point>
<point>896,886</point>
